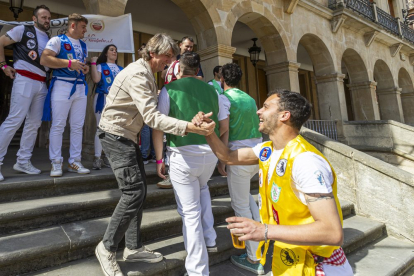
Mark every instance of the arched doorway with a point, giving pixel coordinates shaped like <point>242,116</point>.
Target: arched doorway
<point>407,95</point>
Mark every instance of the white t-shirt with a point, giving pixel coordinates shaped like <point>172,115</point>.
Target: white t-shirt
<point>234,145</point>
<point>164,108</point>
<point>17,34</point>
<point>112,66</point>
<point>310,172</point>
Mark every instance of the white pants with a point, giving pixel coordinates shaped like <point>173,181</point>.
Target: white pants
<point>98,146</point>
<point>62,107</point>
<point>189,176</point>
<point>244,205</point>
<point>27,100</point>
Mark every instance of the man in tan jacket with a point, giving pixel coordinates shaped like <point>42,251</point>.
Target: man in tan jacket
<point>131,103</point>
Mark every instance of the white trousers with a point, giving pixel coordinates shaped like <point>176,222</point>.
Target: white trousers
<point>189,176</point>
<point>27,100</point>
<point>243,203</point>
<point>62,107</point>
<point>98,146</point>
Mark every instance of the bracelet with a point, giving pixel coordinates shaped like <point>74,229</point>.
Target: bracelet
<point>4,67</point>
<point>93,63</point>
<point>70,63</point>
<point>265,235</point>
<point>160,161</point>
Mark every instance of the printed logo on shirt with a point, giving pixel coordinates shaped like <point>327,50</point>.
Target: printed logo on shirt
<point>275,215</point>
<point>67,46</point>
<point>30,34</point>
<point>288,257</point>
<point>281,167</point>
<point>108,80</point>
<point>106,72</point>
<point>319,176</point>
<point>32,54</point>
<point>31,44</point>
<point>265,153</point>
<point>260,177</point>
<point>259,200</point>
<point>275,192</point>
<point>70,56</point>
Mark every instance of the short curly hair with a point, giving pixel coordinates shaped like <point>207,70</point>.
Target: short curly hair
<point>298,106</point>
<point>232,74</point>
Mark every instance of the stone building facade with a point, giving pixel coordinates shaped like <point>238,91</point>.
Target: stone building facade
<point>353,59</point>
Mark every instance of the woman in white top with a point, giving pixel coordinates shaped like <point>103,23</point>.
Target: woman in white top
<point>103,70</point>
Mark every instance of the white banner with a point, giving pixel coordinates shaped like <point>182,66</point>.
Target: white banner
<point>101,31</point>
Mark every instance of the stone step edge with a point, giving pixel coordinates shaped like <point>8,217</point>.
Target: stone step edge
<point>22,220</point>
<point>68,248</point>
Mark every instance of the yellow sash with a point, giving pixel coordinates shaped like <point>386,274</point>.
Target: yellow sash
<point>278,204</point>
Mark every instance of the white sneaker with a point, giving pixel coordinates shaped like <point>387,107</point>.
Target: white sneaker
<point>142,255</point>
<point>107,260</point>
<point>26,168</point>
<point>56,168</point>
<point>1,176</point>
<point>77,167</point>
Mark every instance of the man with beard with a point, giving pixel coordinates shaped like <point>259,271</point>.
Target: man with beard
<point>66,53</point>
<point>299,208</point>
<point>29,87</point>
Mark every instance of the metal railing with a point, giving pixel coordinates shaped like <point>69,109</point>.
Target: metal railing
<point>370,11</point>
<point>324,127</point>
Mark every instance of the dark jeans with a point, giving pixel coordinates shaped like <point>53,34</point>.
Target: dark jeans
<point>126,162</point>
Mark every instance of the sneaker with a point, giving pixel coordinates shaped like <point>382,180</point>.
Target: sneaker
<point>56,168</point>
<point>105,162</point>
<point>212,249</point>
<point>77,167</point>
<point>97,163</point>
<point>142,255</point>
<point>107,260</point>
<point>26,168</point>
<point>242,262</point>
<point>1,176</point>
<point>165,184</point>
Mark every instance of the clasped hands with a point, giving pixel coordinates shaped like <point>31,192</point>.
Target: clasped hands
<point>204,122</point>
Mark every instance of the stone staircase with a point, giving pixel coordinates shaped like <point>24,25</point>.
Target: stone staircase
<point>51,227</point>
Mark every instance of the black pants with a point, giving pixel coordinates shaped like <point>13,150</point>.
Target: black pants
<point>126,161</point>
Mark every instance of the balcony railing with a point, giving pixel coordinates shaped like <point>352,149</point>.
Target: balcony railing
<point>324,127</point>
<point>370,11</point>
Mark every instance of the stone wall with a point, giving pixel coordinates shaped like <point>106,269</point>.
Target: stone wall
<point>378,190</point>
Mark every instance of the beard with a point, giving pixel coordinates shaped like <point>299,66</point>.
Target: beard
<point>42,27</point>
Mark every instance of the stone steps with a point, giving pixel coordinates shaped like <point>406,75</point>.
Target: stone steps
<point>174,253</point>
<point>29,214</point>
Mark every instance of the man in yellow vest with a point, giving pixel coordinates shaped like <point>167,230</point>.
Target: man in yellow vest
<point>298,205</point>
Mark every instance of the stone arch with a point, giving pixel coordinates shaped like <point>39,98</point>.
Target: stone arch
<point>389,98</point>
<point>329,83</point>
<point>407,95</point>
<point>359,90</point>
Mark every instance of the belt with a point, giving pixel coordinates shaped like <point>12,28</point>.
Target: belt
<point>31,75</point>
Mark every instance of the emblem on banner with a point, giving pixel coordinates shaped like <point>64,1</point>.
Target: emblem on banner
<point>32,54</point>
<point>31,44</point>
<point>281,167</point>
<point>108,80</point>
<point>67,46</point>
<point>106,72</point>
<point>275,192</point>
<point>265,153</point>
<point>97,25</point>
<point>30,34</point>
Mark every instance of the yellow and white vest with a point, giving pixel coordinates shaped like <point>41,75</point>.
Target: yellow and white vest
<point>278,204</point>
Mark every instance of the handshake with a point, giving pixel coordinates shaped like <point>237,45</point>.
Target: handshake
<point>203,124</point>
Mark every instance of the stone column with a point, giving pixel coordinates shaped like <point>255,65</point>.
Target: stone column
<point>215,55</point>
<point>407,102</point>
<point>331,100</point>
<point>390,104</point>
<point>283,75</point>
<point>364,101</point>
<point>108,8</point>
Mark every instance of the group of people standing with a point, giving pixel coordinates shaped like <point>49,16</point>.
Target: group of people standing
<point>205,124</point>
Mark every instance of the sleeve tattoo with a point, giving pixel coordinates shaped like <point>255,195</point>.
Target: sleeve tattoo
<point>316,197</point>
